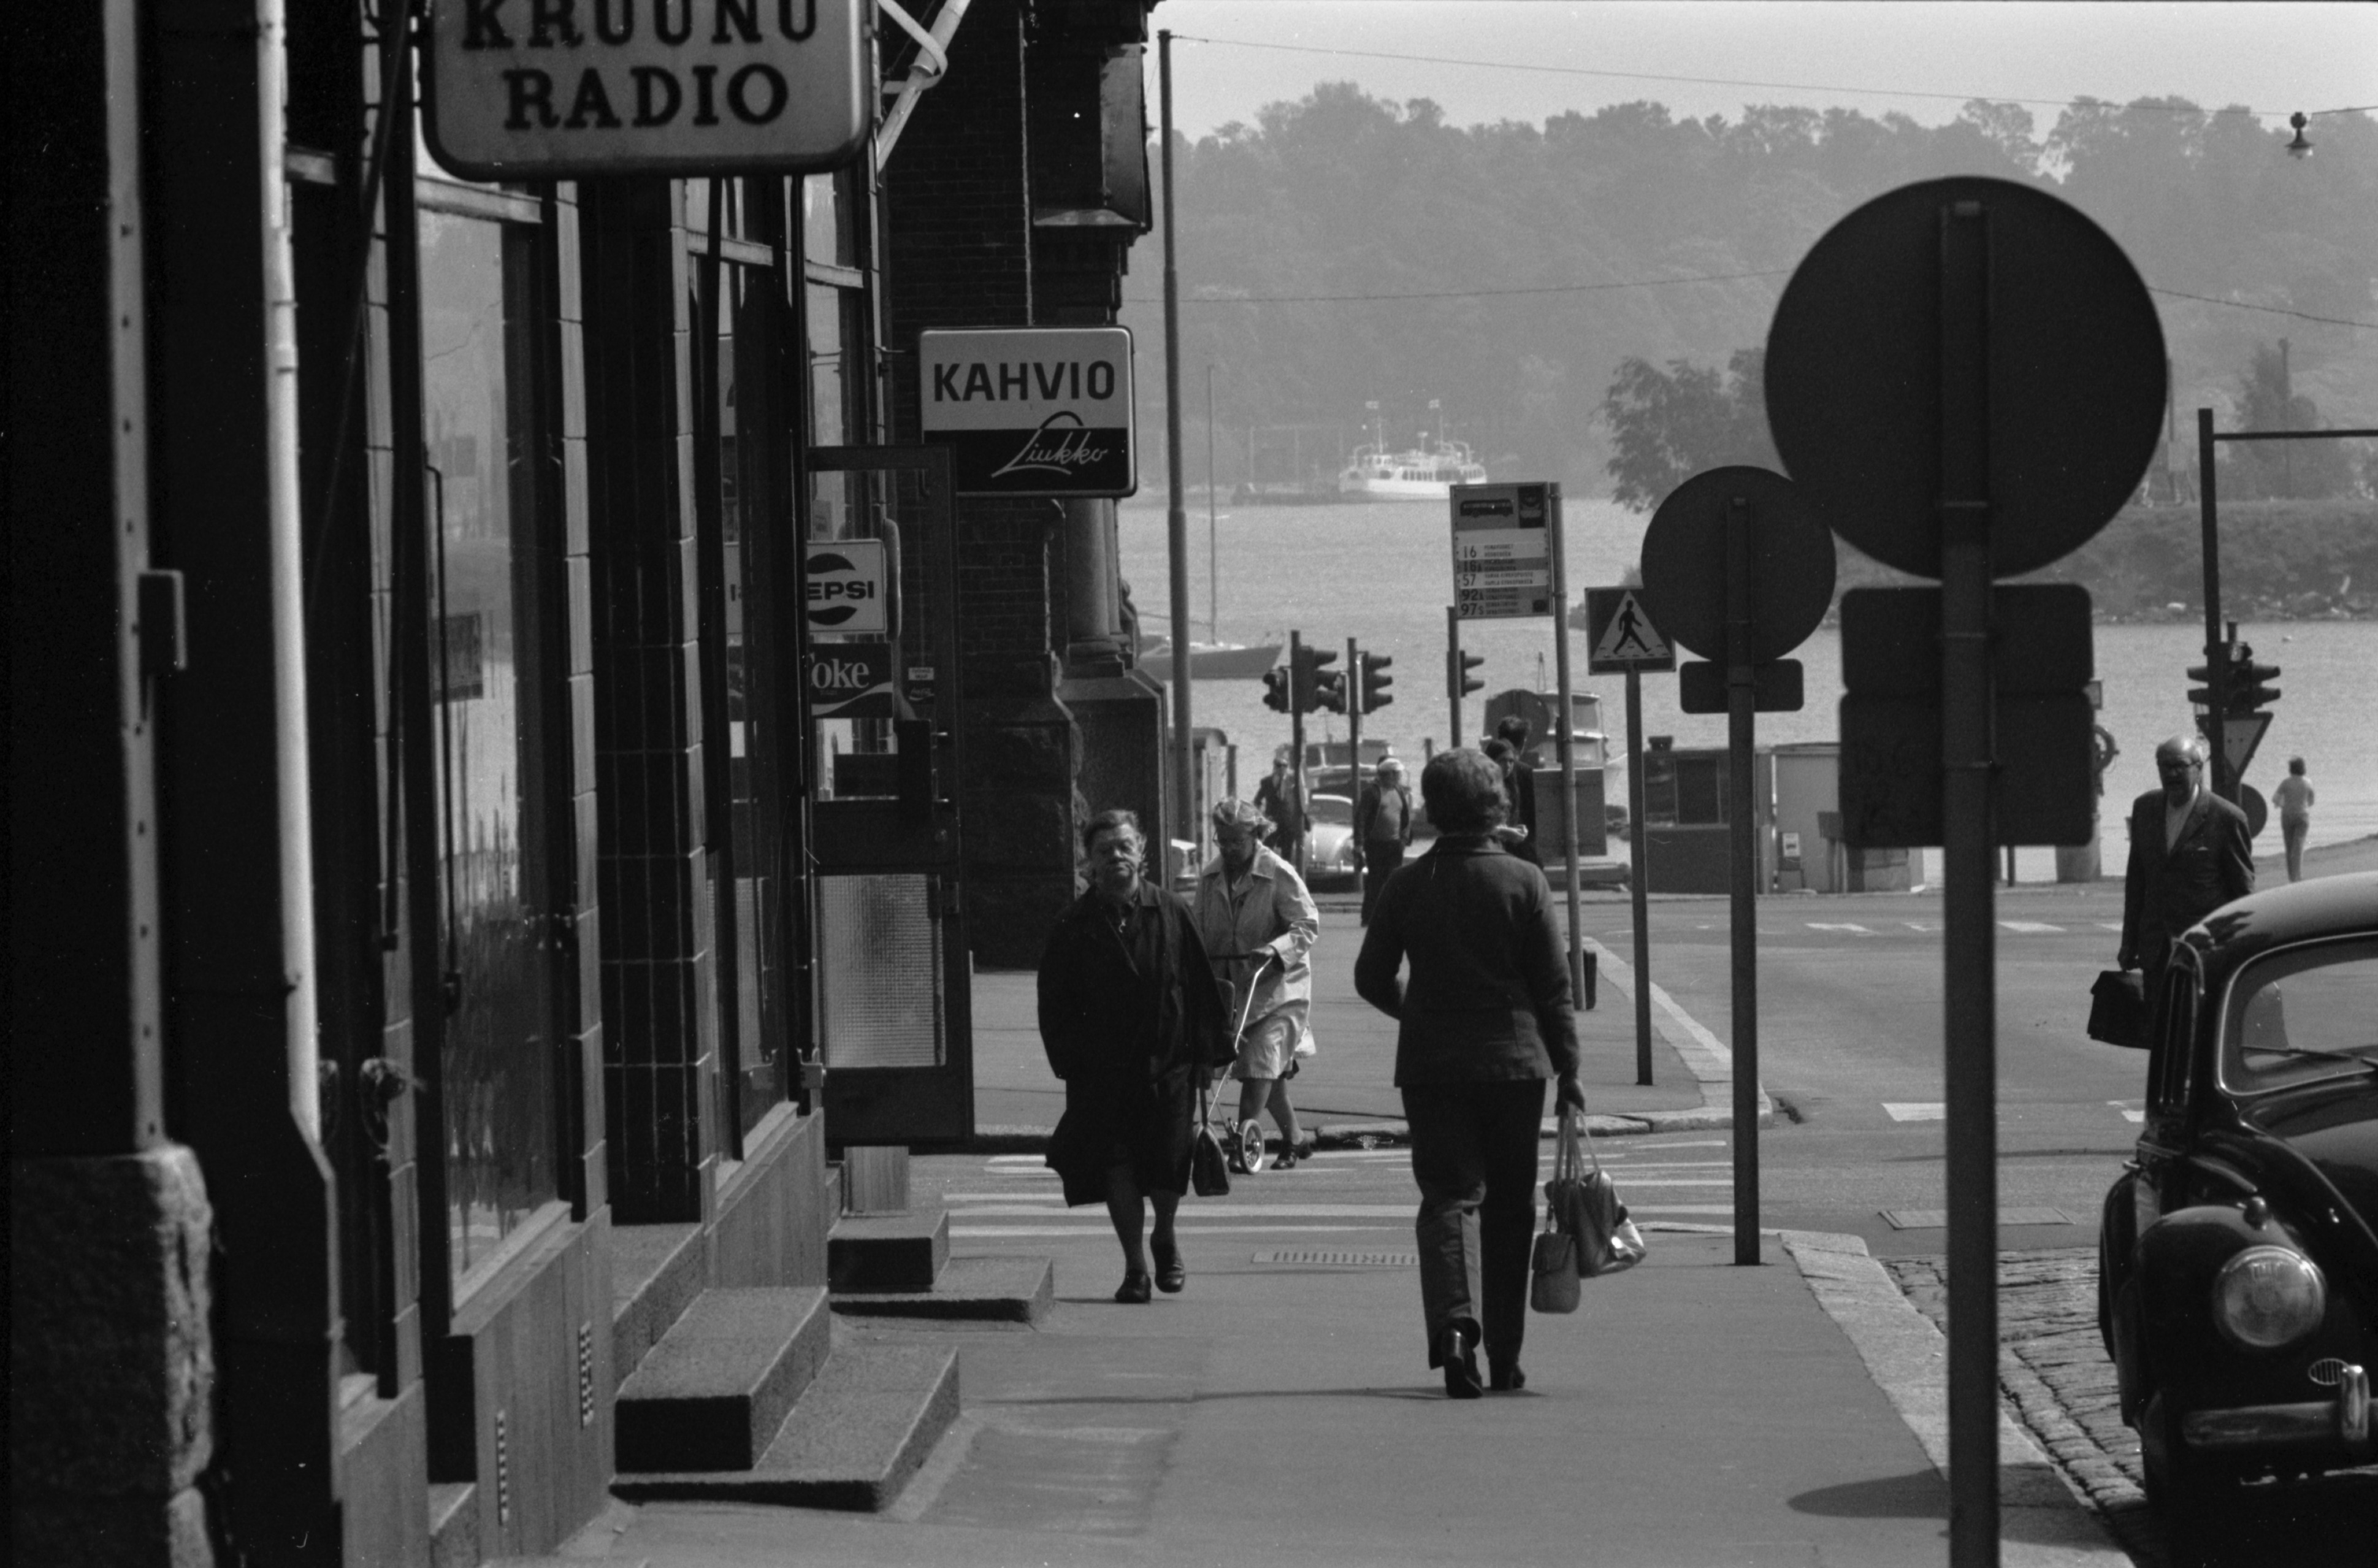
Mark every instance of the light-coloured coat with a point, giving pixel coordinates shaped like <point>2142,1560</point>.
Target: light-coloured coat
<point>1269,912</point>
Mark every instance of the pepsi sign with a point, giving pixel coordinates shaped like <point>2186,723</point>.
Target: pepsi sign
<point>848,583</point>
<point>851,680</point>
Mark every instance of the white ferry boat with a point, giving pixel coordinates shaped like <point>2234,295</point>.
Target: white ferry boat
<point>1376,475</point>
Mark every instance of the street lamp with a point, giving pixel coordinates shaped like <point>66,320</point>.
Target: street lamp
<point>2302,146</point>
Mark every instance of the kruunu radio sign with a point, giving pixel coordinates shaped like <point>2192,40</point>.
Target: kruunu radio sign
<point>1036,411</point>
<point>545,89</point>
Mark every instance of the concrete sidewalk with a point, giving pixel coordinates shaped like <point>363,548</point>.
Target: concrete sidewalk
<point>1345,1094</point>
<point>1692,1413</point>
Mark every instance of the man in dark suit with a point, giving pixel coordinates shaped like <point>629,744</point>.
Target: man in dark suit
<point>2190,852</point>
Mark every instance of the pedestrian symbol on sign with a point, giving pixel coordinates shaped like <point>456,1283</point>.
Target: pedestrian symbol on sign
<point>1622,635</point>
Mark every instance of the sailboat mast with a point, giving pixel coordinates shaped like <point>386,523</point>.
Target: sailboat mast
<point>1213,572</point>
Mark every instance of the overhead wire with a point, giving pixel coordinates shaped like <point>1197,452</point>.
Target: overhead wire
<point>1732,81</point>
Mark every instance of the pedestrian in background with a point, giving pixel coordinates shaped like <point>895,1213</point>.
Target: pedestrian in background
<point>1520,784</point>
<point>1382,826</point>
<point>2190,852</point>
<point>1134,1024</point>
<point>1281,798</point>
<point>1258,924</point>
<point>1483,1021</point>
<point>2293,796</point>
<point>1517,837</point>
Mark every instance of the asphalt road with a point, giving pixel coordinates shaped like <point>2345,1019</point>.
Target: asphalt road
<point>1850,1046</point>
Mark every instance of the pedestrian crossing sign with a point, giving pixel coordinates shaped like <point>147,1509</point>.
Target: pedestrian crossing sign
<point>1620,635</point>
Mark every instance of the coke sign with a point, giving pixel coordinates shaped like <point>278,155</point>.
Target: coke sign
<point>851,680</point>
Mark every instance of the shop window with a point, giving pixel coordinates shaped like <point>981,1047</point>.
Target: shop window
<point>741,742</point>
<point>1682,791</point>
<point>488,813</point>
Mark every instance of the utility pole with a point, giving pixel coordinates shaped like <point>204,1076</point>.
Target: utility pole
<point>1176,511</point>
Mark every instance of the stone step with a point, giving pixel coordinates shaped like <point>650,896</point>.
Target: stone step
<point>853,1440</point>
<point>887,1252</point>
<point>976,1289</point>
<point>714,1391</point>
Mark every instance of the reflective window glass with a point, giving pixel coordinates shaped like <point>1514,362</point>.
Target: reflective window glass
<point>497,1061</point>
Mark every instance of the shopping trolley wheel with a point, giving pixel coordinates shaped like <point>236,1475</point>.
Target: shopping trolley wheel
<point>1250,1146</point>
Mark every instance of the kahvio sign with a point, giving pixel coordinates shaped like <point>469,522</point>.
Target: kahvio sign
<point>552,89</point>
<point>1033,411</point>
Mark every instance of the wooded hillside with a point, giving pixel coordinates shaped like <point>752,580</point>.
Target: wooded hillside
<point>1536,259</point>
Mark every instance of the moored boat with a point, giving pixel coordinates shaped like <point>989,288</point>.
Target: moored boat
<point>1212,661</point>
<point>1375,474</point>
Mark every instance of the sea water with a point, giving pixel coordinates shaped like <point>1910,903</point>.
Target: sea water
<point>1381,573</point>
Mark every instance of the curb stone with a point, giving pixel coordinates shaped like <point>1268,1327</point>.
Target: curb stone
<point>2047,1519</point>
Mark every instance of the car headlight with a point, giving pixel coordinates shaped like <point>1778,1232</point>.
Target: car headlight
<point>2266,1298</point>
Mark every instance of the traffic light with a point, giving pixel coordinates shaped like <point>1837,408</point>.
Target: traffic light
<point>1306,679</point>
<point>1459,681</point>
<point>1375,681</point>
<point>2200,695</point>
<point>1329,690</point>
<point>2248,690</point>
<point>1276,689</point>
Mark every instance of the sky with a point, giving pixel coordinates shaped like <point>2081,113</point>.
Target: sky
<point>1873,58</point>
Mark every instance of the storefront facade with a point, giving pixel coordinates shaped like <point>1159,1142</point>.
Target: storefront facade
<point>414,636</point>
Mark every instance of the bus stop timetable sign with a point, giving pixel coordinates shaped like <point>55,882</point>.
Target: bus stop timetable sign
<point>1502,554</point>
<point>522,89</point>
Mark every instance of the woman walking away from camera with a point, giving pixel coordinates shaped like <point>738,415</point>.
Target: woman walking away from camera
<point>1258,924</point>
<point>1133,1022</point>
<point>2293,797</point>
<point>1483,1020</point>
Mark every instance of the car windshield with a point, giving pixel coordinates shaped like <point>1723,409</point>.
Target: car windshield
<point>1333,809</point>
<point>2300,1014</point>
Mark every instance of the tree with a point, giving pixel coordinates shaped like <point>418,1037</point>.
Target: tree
<point>1667,425</point>
<point>2270,470</point>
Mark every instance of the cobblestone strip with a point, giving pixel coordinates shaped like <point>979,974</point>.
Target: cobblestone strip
<point>2055,1377</point>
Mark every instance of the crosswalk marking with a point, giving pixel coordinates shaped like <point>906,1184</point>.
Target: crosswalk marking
<point>1916,1111</point>
<point>1839,925</point>
<point>2032,927</point>
<point>2130,1110</point>
<point>1926,925</point>
<point>2108,925</point>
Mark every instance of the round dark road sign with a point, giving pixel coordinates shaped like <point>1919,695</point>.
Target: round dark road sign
<point>2076,379</point>
<point>1684,563</point>
<point>2257,809</point>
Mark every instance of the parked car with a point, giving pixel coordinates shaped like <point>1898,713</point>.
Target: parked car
<point>1330,852</point>
<point>2238,1254</point>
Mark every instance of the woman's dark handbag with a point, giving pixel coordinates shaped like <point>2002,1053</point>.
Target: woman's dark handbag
<point>2117,1007</point>
<point>1583,1205</point>
<point>1209,1170</point>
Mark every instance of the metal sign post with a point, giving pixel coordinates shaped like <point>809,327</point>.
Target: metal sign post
<point>1772,583</point>
<point>1966,376</point>
<point>1176,511</point>
<point>1620,637</point>
<point>1567,746</point>
<point>1638,885</point>
<point>1508,565</point>
<point>1741,704</point>
<point>1969,995</point>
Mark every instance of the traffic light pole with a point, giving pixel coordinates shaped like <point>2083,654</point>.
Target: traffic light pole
<point>1354,724</point>
<point>2216,651</point>
<point>1453,676</point>
<point>1296,742</point>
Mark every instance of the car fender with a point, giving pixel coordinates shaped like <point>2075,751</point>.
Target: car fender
<point>2175,1261</point>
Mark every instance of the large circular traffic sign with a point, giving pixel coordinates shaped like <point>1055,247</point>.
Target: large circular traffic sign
<point>1685,562</point>
<point>2075,379</point>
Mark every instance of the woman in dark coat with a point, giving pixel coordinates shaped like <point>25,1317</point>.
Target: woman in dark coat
<point>1482,1021</point>
<point>1133,1022</point>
